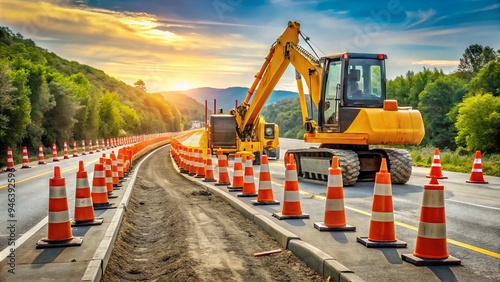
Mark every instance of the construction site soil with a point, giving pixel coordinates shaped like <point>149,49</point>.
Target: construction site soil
<point>175,230</point>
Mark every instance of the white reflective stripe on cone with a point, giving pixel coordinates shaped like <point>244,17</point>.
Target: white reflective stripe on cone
<point>477,161</point>
<point>99,189</point>
<point>249,179</point>
<point>383,189</point>
<point>82,183</point>
<point>477,170</point>
<point>436,164</point>
<point>334,180</point>
<point>382,216</point>
<point>81,203</point>
<point>436,157</point>
<point>292,196</point>
<point>290,175</point>
<point>264,168</point>
<point>433,199</point>
<point>432,230</point>
<point>265,185</point>
<point>334,204</point>
<point>238,172</point>
<point>99,174</point>
<point>57,192</point>
<point>59,217</point>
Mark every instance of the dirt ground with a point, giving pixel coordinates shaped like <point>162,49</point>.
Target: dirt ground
<point>176,231</point>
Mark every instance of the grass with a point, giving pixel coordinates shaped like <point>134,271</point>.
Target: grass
<point>459,160</point>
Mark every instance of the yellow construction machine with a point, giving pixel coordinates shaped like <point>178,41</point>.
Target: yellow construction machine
<point>348,112</point>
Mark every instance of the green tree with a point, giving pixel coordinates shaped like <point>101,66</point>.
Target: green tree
<point>436,101</point>
<point>478,122</point>
<point>140,85</point>
<point>474,58</point>
<point>487,79</point>
<point>111,120</point>
<point>60,120</point>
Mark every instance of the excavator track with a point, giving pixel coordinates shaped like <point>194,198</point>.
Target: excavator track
<point>313,163</point>
<point>400,164</point>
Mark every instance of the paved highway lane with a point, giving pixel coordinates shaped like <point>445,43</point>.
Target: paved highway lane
<point>472,215</point>
<point>32,191</point>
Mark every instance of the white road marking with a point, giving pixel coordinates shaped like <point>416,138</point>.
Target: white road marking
<point>471,204</point>
<point>5,252</point>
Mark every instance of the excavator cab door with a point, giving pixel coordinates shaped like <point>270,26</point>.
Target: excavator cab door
<point>331,95</point>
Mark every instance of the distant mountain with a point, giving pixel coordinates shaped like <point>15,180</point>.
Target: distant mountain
<point>226,97</point>
<point>189,108</point>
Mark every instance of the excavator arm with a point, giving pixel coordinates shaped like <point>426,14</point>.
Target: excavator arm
<point>283,52</point>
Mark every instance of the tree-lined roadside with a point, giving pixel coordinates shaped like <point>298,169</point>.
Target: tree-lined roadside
<point>46,99</point>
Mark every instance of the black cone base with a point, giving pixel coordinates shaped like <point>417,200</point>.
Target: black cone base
<point>96,221</point>
<point>322,227</point>
<point>374,244</point>
<point>44,243</point>
<point>424,262</point>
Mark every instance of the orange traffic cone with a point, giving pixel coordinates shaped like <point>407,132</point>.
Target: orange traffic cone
<point>265,195</point>
<point>75,150</point>
<point>382,232</point>
<point>59,226</point>
<point>97,149</point>
<point>223,173</point>
<point>107,144</point>
<point>291,200</point>
<point>114,168</point>
<point>83,148</point>
<point>238,179</point>
<point>10,161</point>
<point>41,158</point>
<point>192,161</point>
<point>334,207</point>
<point>436,171</point>
<point>200,173</point>
<point>182,160</point>
<point>91,149</point>
<point>430,247</point>
<point>108,172</point>
<point>119,163</point>
<point>54,153</point>
<point>84,210</point>
<point>249,183</point>
<point>209,173</point>
<point>476,176</point>
<point>26,160</point>
<point>65,147</point>
<point>103,145</point>
<point>99,191</point>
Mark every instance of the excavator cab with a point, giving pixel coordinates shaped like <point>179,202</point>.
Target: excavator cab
<point>355,80</point>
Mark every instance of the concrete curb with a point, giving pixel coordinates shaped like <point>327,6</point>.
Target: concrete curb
<point>97,265</point>
<point>316,259</point>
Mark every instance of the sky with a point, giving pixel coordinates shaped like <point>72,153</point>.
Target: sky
<point>181,44</point>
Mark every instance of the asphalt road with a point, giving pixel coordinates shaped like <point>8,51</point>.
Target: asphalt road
<point>32,191</point>
<point>472,215</point>
<point>472,221</point>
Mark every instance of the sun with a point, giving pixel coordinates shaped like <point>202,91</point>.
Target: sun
<point>183,86</point>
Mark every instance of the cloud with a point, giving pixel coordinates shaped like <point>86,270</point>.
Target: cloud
<point>414,18</point>
<point>130,46</point>
<point>437,63</point>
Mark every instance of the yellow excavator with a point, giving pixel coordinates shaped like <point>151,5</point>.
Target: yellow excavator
<point>346,111</point>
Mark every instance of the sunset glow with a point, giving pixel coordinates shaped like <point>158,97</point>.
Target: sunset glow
<point>164,42</point>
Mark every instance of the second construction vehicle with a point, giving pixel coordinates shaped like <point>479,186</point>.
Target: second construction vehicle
<point>347,96</point>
